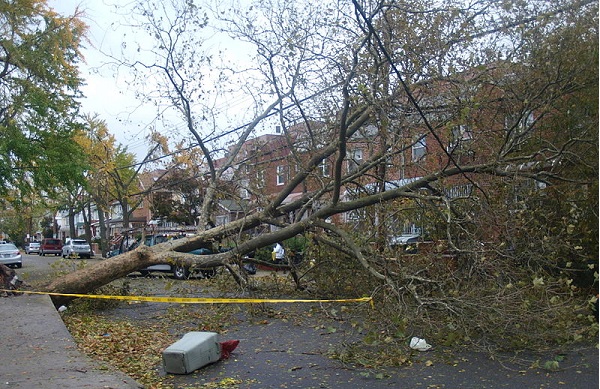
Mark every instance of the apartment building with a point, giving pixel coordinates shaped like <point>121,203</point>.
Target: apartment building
<point>458,123</point>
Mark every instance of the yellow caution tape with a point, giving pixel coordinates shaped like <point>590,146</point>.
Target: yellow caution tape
<point>197,300</point>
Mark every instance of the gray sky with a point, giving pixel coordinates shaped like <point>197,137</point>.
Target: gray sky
<point>107,93</point>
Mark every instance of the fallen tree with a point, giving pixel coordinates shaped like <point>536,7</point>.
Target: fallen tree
<point>460,119</point>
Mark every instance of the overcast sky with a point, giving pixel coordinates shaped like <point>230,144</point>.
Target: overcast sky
<point>107,93</point>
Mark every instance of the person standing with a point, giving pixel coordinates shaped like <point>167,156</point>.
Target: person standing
<point>278,253</point>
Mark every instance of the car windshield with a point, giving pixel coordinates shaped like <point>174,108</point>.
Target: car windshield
<point>33,244</point>
<point>74,241</point>
<point>8,247</point>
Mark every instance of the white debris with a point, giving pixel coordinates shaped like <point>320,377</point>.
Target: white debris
<point>419,344</point>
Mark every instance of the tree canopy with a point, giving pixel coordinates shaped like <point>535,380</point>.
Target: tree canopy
<point>39,85</point>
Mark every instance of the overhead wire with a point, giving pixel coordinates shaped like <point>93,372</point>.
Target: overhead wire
<point>233,130</point>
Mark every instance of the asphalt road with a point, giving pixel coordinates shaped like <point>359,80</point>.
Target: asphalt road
<point>37,268</point>
<point>37,263</point>
<point>276,353</point>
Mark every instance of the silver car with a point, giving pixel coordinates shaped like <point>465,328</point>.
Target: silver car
<point>10,255</point>
<point>33,247</point>
<point>78,247</point>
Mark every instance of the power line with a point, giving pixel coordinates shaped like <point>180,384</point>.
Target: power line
<point>235,129</point>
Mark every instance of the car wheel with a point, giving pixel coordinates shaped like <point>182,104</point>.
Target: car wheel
<point>19,265</point>
<point>209,273</point>
<point>181,272</point>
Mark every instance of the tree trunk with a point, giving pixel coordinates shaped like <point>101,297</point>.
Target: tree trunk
<point>101,273</point>
<point>87,217</point>
<point>72,231</point>
<point>126,214</point>
<point>103,233</point>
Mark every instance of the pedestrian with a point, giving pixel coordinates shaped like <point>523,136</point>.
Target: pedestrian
<point>278,253</point>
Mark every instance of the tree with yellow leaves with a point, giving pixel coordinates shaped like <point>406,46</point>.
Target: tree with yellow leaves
<point>39,85</point>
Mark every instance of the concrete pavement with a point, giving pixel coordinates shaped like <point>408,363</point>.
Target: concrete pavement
<point>38,352</point>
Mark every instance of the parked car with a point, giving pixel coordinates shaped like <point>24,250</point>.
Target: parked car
<point>179,272</point>
<point>79,247</point>
<point>51,246</point>
<point>10,255</point>
<point>122,246</point>
<point>32,247</point>
<point>406,244</point>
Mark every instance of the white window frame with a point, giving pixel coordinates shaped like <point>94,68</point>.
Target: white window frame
<point>460,134</point>
<point>222,219</point>
<point>324,168</point>
<point>244,191</point>
<point>419,148</point>
<point>281,174</point>
<point>356,215</point>
<point>355,160</point>
<point>520,123</point>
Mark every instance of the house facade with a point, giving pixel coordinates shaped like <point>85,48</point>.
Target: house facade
<point>459,123</point>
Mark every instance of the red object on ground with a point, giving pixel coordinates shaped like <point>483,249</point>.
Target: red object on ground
<point>227,347</point>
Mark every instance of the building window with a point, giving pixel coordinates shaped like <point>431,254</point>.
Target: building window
<point>518,128</point>
<point>260,178</point>
<point>354,215</point>
<point>355,159</point>
<point>222,219</point>
<point>461,135</point>
<point>281,174</point>
<point>244,192</point>
<point>522,123</point>
<point>324,168</point>
<point>419,148</point>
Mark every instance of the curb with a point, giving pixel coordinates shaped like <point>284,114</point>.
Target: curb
<point>38,350</point>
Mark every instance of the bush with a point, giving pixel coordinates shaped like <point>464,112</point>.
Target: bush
<point>296,244</point>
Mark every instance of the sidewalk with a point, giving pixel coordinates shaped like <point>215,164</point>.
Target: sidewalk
<point>38,351</point>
